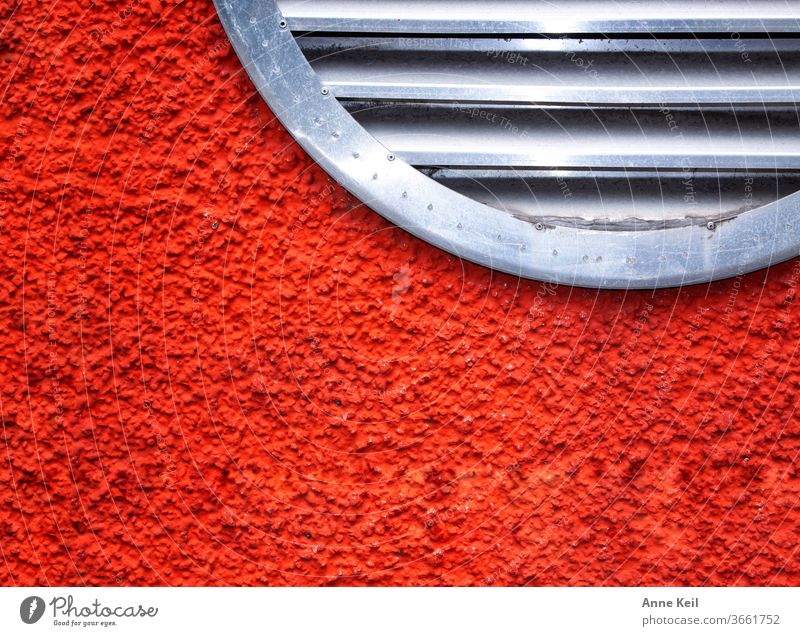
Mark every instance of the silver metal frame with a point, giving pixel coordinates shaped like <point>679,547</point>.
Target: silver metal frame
<point>640,259</point>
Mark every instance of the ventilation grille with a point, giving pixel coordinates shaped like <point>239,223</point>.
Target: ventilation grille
<point>607,116</point>
<point>583,129</point>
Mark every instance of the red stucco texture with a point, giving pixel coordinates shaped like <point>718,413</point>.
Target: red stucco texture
<point>218,369</point>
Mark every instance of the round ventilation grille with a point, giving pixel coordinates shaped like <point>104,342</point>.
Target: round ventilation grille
<point>616,144</point>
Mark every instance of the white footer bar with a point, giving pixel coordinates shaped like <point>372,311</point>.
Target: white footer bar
<point>400,611</point>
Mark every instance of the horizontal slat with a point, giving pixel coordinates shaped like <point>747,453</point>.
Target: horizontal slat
<point>592,196</point>
<point>560,71</point>
<point>315,45</point>
<point>541,16</point>
<point>483,136</point>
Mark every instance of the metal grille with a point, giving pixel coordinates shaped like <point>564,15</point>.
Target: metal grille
<point>627,144</point>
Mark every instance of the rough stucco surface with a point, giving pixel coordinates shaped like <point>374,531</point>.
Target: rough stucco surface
<point>218,369</point>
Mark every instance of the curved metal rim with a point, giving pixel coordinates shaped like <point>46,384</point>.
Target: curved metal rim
<point>644,259</point>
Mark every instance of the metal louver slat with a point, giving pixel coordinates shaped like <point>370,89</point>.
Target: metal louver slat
<point>628,143</point>
<point>557,71</point>
<point>619,201</point>
<point>467,17</point>
<point>447,135</point>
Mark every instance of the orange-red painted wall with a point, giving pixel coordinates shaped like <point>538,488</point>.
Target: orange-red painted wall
<point>216,370</point>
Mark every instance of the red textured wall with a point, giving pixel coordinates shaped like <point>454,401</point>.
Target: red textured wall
<point>217,370</point>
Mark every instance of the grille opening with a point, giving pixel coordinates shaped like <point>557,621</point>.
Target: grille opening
<point>619,143</point>
<point>711,118</point>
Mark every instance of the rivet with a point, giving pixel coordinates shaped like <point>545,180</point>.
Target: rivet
<point>390,157</point>
<point>430,206</point>
<point>281,24</point>
<point>711,225</point>
<point>539,226</point>
<point>324,91</point>
<point>356,155</point>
